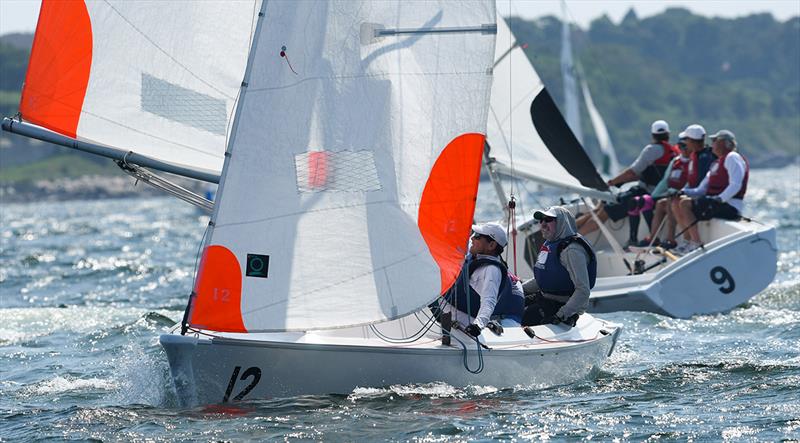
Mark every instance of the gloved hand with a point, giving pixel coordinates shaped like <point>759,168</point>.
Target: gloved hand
<point>495,327</point>
<point>473,330</point>
<point>552,320</point>
<point>716,198</point>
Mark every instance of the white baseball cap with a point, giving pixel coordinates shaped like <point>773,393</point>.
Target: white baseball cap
<point>694,132</point>
<point>492,230</point>
<point>659,127</point>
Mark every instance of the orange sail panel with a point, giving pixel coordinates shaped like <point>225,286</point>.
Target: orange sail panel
<point>448,203</point>
<point>59,67</point>
<point>218,292</point>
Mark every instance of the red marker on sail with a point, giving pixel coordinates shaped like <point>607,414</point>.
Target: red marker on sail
<point>283,54</point>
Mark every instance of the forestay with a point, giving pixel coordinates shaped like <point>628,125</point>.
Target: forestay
<point>524,117</point>
<point>138,76</point>
<point>350,189</point>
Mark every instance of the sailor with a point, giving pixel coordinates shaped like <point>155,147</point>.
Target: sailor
<point>720,194</point>
<point>565,271</point>
<point>667,190</point>
<point>700,158</point>
<point>491,294</point>
<point>648,168</point>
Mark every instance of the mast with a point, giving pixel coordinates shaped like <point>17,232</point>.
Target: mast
<point>568,73</point>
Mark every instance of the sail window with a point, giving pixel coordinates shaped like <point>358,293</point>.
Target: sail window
<point>346,171</point>
<point>183,105</point>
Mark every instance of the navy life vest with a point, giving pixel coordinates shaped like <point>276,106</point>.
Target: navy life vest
<point>467,300</point>
<point>655,172</point>
<point>552,276</point>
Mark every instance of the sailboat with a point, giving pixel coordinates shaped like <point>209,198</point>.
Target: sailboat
<point>739,258</point>
<point>347,186</point>
<point>570,73</point>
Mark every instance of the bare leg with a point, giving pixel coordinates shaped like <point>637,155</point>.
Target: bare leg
<point>591,225</point>
<point>689,220</point>
<point>662,208</point>
<point>670,236</point>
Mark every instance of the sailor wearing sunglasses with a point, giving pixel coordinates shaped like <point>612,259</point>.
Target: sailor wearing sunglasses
<point>565,271</point>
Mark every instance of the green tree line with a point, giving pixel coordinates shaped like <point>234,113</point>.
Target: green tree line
<point>740,74</point>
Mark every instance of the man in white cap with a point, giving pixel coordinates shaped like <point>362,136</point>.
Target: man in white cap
<point>490,294</point>
<point>648,168</point>
<point>565,271</point>
<point>700,155</point>
<point>719,195</point>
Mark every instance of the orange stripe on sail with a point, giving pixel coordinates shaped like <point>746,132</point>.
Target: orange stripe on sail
<point>448,203</point>
<point>217,305</point>
<point>59,67</point>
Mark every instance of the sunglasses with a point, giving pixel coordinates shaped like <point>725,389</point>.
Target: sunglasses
<point>477,236</point>
<point>546,220</point>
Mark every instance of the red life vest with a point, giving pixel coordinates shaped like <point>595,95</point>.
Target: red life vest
<point>718,177</point>
<point>655,172</point>
<point>679,174</point>
<point>670,151</point>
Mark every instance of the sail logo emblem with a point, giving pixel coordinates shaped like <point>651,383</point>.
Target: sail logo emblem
<point>257,265</point>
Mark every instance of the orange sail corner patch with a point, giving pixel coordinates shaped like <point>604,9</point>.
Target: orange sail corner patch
<point>59,67</point>
<point>218,292</point>
<point>447,206</point>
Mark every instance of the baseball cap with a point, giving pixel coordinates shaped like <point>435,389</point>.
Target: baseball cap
<point>694,132</point>
<point>493,230</point>
<point>723,135</point>
<point>659,127</point>
<point>549,212</point>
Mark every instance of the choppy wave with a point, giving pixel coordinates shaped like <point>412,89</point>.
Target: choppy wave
<point>87,287</point>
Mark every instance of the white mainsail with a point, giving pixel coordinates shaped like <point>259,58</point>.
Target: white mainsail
<point>568,74</point>
<point>511,133</point>
<point>134,75</point>
<point>610,166</point>
<point>350,188</point>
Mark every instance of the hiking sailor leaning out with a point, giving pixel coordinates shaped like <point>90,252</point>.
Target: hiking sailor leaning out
<point>491,294</point>
<point>565,271</point>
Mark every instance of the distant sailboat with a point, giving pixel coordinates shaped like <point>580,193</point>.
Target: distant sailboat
<point>609,166</point>
<point>739,258</point>
<point>347,187</point>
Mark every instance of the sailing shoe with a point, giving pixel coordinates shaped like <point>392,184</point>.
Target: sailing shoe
<point>686,248</point>
<point>646,242</point>
<point>668,244</point>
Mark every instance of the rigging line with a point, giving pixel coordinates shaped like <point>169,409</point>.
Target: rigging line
<point>511,119</point>
<point>155,45</point>
<point>426,326</point>
<point>465,353</point>
<point>147,134</point>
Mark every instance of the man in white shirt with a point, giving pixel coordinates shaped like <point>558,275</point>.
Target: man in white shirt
<point>490,293</point>
<point>720,194</point>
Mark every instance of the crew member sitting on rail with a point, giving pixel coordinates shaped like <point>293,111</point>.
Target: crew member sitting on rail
<point>720,194</point>
<point>565,271</point>
<point>490,294</point>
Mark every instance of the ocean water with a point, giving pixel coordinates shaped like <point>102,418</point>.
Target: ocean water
<point>86,287</point>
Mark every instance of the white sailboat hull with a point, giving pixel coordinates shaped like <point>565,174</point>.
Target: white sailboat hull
<point>714,279</point>
<point>230,367</point>
<point>738,261</point>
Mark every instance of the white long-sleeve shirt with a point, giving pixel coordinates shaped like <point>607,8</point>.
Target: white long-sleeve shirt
<point>486,282</point>
<point>736,167</point>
